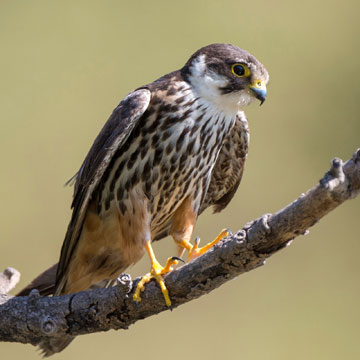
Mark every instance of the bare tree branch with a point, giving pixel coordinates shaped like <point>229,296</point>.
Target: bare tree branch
<point>41,320</point>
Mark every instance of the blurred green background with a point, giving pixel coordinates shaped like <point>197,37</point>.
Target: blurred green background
<point>65,65</point>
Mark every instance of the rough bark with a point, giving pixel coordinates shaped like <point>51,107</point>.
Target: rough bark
<point>41,320</point>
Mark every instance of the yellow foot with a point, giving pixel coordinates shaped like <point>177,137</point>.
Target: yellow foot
<point>157,272</point>
<point>196,251</point>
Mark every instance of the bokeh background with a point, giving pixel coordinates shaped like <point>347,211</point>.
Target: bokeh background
<point>65,65</point>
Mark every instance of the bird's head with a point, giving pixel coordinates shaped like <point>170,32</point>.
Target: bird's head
<point>226,76</point>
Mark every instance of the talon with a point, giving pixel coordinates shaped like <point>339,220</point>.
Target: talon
<point>169,264</point>
<point>197,242</point>
<point>156,272</point>
<point>196,251</point>
<point>141,287</point>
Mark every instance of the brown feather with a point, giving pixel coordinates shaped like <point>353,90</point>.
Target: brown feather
<point>115,132</point>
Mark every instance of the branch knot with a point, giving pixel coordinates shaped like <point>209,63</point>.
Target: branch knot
<point>257,231</point>
<point>334,180</point>
<point>124,283</point>
<point>48,326</point>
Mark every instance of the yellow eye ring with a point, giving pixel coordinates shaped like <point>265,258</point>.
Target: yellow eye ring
<point>240,70</point>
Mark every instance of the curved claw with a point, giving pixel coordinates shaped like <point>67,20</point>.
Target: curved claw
<point>197,241</point>
<point>177,258</point>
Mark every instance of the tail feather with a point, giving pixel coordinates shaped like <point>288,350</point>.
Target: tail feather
<point>51,346</point>
<point>45,283</point>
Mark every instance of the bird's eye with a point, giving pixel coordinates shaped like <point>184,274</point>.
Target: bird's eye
<point>240,70</point>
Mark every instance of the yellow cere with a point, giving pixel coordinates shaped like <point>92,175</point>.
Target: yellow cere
<point>258,84</point>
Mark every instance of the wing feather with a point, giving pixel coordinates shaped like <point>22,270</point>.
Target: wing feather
<point>229,167</point>
<point>113,135</point>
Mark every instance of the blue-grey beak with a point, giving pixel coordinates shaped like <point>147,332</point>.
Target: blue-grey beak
<point>258,88</point>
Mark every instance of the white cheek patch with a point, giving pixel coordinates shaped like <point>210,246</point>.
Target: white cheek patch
<point>205,81</point>
<point>198,67</point>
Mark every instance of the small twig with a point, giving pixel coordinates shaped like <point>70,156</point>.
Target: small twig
<point>8,280</point>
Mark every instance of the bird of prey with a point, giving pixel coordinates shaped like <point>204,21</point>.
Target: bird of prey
<point>169,150</point>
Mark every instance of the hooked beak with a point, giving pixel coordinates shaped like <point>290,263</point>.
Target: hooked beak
<point>258,89</point>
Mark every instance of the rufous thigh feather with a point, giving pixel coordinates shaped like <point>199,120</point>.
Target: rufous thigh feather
<point>108,244</point>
